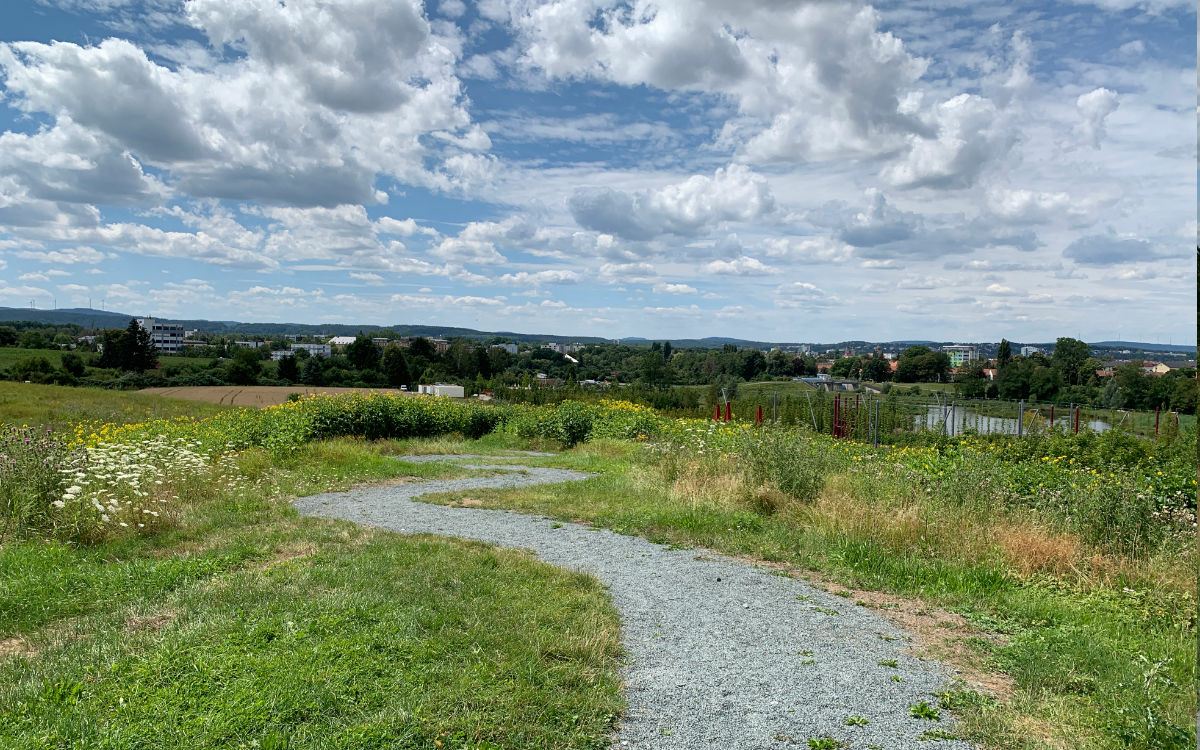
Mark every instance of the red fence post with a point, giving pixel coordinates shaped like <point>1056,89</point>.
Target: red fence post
<point>1052,416</point>
<point>717,413</point>
<point>1076,420</point>
<point>1157,409</point>
<point>728,411</point>
<point>758,416</point>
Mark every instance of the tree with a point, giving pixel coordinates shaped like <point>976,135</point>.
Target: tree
<point>666,351</point>
<point>130,349</point>
<point>72,364</point>
<point>922,364</point>
<point>1003,354</point>
<point>245,367</point>
<point>421,347</point>
<point>970,382</point>
<point>363,353</point>
<point>34,340</point>
<point>395,367</point>
<point>877,370</point>
<point>8,336</point>
<point>314,371</point>
<point>288,369</point>
<point>1070,356</point>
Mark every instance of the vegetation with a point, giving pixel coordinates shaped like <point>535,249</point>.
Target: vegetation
<point>220,618</point>
<point>1071,559</point>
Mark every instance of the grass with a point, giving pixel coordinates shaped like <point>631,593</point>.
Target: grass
<point>240,624</point>
<point>1095,659</point>
<point>58,406</point>
<point>10,355</point>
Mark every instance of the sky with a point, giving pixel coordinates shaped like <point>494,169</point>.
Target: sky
<point>774,170</point>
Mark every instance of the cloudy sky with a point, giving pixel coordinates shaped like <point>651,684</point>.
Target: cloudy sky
<point>767,169</point>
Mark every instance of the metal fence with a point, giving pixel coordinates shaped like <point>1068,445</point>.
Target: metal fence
<point>880,418</point>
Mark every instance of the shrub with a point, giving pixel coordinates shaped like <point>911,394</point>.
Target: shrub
<point>32,463</point>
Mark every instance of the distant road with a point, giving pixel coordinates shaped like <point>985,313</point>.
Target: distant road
<point>252,395</point>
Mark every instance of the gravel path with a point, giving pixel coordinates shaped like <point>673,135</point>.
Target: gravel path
<point>721,654</point>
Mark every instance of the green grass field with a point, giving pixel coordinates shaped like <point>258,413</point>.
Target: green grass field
<point>59,406</point>
<point>1082,663</point>
<point>242,625</point>
<point>11,355</point>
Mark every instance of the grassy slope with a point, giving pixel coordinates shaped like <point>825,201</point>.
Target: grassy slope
<point>244,625</point>
<point>59,406</point>
<point>1081,657</point>
<point>9,355</point>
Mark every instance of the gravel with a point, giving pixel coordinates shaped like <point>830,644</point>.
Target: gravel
<point>720,654</point>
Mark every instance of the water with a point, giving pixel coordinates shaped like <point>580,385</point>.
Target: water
<point>960,419</point>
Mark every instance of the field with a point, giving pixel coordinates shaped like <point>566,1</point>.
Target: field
<point>256,396</point>
<point>60,407</point>
<point>10,355</point>
<point>1058,571</point>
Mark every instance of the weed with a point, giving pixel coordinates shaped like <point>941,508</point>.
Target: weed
<point>925,711</point>
<point>857,721</point>
<point>936,735</point>
<point>889,663</point>
<point>825,743</point>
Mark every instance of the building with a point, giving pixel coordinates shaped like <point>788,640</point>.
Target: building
<point>315,350</point>
<point>165,337</point>
<point>341,340</point>
<point>1155,368</point>
<point>251,344</point>
<point>961,354</point>
<point>1028,350</point>
<point>510,348</point>
<point>441,389</point>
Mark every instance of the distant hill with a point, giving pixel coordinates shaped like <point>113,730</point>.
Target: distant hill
<point>1145,347</point>
<point>89,318</point>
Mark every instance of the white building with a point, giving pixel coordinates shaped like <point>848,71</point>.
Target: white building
<point>441,389</point>
<point>166,337</point>
<point>315,350</point>
<point>510,348</point>
<point>342,340</point>
<point>1028,350</point>
<point>961,354</point>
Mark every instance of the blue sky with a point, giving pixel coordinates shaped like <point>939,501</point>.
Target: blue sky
<point>777,171</point>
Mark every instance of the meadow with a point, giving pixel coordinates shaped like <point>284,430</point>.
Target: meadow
<point>1057,570</point>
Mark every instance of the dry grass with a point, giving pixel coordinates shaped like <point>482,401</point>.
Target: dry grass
<point>1030,550</point>
<point>256,396</point>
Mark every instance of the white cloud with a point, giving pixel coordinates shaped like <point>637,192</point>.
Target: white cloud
<point>971,134</point>
<point>68,256</point>
<point>674,289</point>
<point>741,266</point>
<point>697,204</point>
<point>371,279</point>
<point>308,103</point>
<point>1094,107</point>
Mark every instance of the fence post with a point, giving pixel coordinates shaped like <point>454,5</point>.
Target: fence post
<point>1020,417</point>
<point>1077,420</point>
<point>775,407</point>
<point>1157,409</point>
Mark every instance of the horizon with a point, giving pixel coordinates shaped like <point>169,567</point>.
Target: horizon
<point>648,339</point>
<point>675,170</point>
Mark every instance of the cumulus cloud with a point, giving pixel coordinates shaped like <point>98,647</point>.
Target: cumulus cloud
<point>699,203</point>
<point>1110,249</point>
<point>666,288</point>
<point>305,103</point>
<point>802,294</point>
<point>971,133</point>
<point>1094,107</point>
<point>740,266</point>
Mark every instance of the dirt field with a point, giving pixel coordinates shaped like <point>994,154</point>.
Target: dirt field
<point>251,395</point>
